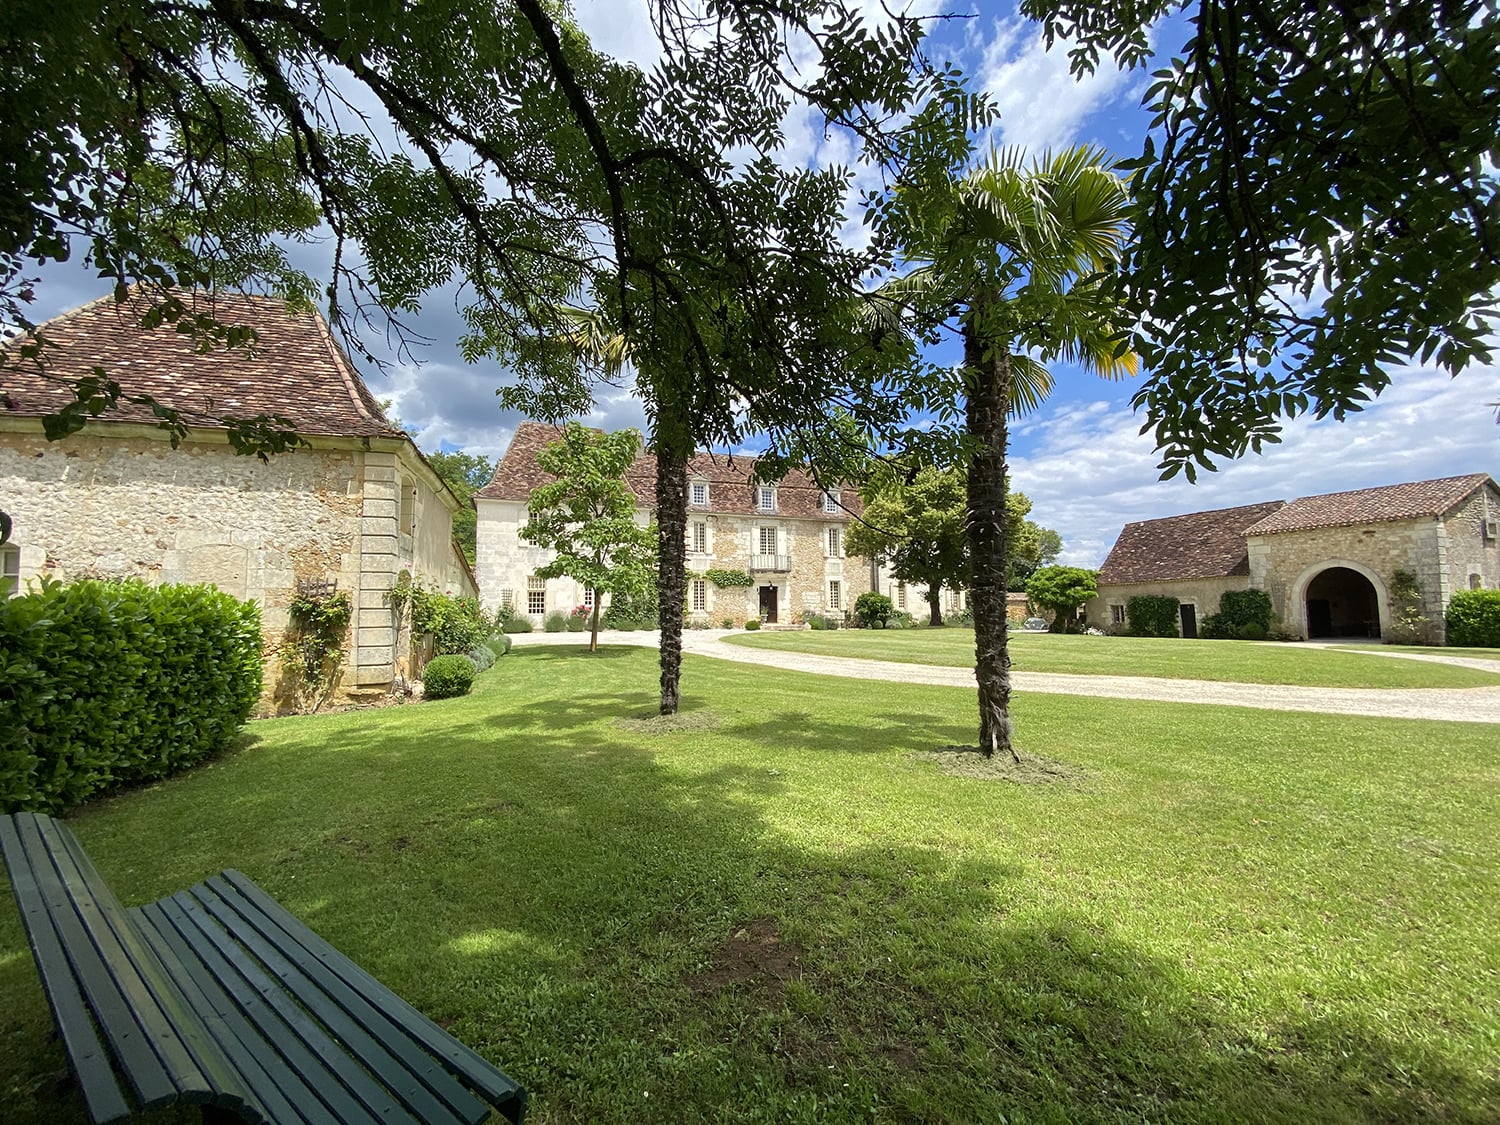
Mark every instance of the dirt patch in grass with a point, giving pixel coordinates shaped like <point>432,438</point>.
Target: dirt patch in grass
<point>1032,769</point>
<point>679,723</point>
<point>753,954</point>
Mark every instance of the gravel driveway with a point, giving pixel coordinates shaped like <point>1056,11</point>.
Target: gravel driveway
<point>1463,705</point>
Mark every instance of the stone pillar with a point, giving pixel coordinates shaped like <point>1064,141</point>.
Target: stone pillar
<point>374,620</point>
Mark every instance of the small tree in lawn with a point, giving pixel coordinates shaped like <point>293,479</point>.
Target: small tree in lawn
<point>918,525</point>
<point>1062,589</point>
<point>587,515</point>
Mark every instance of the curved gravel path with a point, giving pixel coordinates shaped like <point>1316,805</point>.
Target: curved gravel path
<point>1463,705</point>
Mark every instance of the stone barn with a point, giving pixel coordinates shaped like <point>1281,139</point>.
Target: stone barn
<point>1328,562</point>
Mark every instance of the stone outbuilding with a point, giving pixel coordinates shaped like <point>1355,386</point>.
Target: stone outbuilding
<point>349,511</point>
<point>787,536</point>
<point>1328,562</point>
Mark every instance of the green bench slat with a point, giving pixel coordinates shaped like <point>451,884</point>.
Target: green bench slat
<point>127,1030</point>
<point>423,1086</point>
<point>90,1062</point>
<point>473,1069</point>
<point>278,1087</point>
<point>289,1027</point>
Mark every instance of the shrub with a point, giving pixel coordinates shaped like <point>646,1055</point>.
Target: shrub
<point>1474,619</point>
<point>900,620</point>
<point>729,579</point>
<point>1252,631</point>
<point>497,643</point>
<point>448,676</point>
<point>555,622</point>
<point>1239,608</point>
<point>1152,615</point>
<point>103,684</point>
<point>482,657</point>
<point>626,611</point>
<point>456,624</point>
<point>517,625</point>
<point>752,625</point>
<point>727,623</point>
<point>814,621</point>
<point>872,609</point>
<point>578,620</point>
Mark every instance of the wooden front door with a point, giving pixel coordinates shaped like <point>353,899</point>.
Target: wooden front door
<point>768,604</point>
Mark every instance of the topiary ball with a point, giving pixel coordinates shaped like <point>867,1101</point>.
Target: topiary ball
<point>448,676</point>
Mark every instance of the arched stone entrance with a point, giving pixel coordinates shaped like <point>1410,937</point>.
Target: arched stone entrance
<point>1342,603</point>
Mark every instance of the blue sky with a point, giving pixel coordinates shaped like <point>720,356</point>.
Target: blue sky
<point>1080,459</point>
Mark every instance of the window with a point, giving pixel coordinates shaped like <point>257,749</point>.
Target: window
<point>1476,582</point>
<point>10,570</point>
<point>1117,615</point>
<point>700,537</point>
<point>588,598</point>
<point>700,595</point>
<point>767,498</point>
<point>835,593</point>
<point>829,501</point>
<point>536,595</point>
<point>901,596</point>
<point>768,540</point>
<point>699,494</point>
<point>835,542</point>
<point>408,506</point>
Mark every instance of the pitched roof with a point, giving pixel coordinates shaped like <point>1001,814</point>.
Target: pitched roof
<point>1196,545</point>
<point>295,368</point>
<point>730,489</point>
<point>1372,505</point>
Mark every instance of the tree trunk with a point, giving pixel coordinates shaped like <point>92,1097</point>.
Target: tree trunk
<point>594,627</point>
<point>934,603</point>
<point>671,574</point>
<point>987,389</point>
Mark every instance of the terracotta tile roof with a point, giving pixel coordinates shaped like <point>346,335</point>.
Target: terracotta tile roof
<point>1372,505</point>
<point>295,368</point>
<point>729,487</point>
<point>1196,545</point>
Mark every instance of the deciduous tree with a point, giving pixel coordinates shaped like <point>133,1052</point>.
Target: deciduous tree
<point>1062,589</point>
<point>465,474</point>
<point>1316,204</point>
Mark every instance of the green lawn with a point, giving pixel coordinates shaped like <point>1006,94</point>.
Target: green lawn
<point>786,914</point>
<point>1228,661</point>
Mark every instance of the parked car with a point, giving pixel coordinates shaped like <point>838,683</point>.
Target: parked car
<point>1035,625</point>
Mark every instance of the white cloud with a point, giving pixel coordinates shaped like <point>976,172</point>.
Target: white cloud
<point>1089,472</point>
<point>1042,105</point>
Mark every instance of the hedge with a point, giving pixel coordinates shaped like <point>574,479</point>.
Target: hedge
<point>1152,615</point>
<point>104,684</point>
<point>1243,615</point>
<point>448,676</point>
<point>1474,619</point>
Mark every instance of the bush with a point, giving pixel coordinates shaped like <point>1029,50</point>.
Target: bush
<point>497,643</point>
<point>1253,631</point>
<point>456,624</point>
<point>814,621</point>
<point>104,684</point>
<point>482,657</point>
<point>555,622</point>
<point>627,612</point>
<point>752,625</point>
<point>900,620</point>
<point>517,625</point>
<point>1474,619</point>
<point>727,623</point>
<point>874,610</point>
<point>1152,615</point>
<point>448,676</point>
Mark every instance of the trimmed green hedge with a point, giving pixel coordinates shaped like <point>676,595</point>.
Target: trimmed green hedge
<point>1243,615</point>
<point>1152,615</point>
<point>1474,619</point>
<point>104,684</point>
<point>448,676</point>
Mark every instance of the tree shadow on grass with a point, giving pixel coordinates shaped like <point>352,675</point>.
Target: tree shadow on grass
<point>633,936</point>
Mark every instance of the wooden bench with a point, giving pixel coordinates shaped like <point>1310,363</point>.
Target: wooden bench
<point>218,996</point>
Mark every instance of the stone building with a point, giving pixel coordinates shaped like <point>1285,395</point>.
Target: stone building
<point>1328,562</point>
<point>351,510</point>
<point>787,536</point>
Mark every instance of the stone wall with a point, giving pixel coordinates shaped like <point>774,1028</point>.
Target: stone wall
<point>1202,594</point>
<point>1469,553</point>
<point>1283,565</point>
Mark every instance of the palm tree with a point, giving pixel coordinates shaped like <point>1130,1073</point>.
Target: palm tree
<point>1020,252</point>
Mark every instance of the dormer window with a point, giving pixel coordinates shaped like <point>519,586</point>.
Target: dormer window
<point>767,498</point>
<point>698,494</point>
<point>829,502</point>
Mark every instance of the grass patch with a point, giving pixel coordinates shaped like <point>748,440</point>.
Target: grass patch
<point>790,916</point>
<point>1173,658</point>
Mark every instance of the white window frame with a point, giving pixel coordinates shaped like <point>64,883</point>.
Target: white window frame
<point>829,501</point>
<point>835,542</point>
<point>835,594</point>
<point>536,591</point>
<point>901,595</point>
<point>10,570</point>
<point>698,595</point>
<point>693,490</point>
<point>765,498</point>
<point>588,596</point>
<point>1116,614</point>
<point>698,541</point>
<point>760,540</point>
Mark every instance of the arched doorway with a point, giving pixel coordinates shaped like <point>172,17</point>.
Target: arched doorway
<point>1342,603</point>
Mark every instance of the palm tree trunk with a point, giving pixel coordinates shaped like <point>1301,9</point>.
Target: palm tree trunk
<point>987,389</point>
<point>671,575</point>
